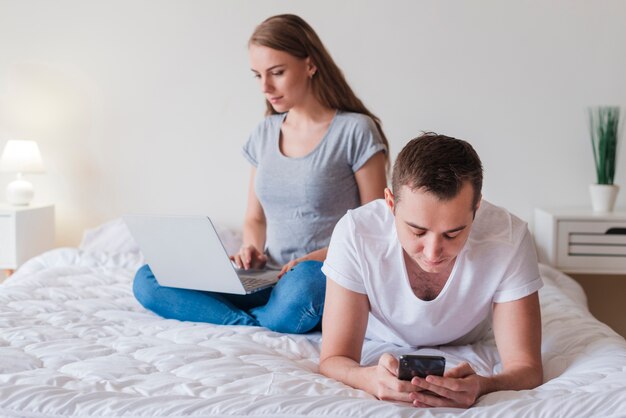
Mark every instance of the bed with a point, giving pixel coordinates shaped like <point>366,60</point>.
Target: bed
<point>74,342</point>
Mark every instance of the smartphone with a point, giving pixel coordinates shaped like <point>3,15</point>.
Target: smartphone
<point>420,366</point>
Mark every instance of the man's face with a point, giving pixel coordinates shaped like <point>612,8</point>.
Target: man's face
<point>432,232</point>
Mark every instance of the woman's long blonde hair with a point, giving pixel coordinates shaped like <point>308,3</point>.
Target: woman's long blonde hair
<point>291,34</point>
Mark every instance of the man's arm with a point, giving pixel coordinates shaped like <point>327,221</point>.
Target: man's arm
<point>517,328</point>
<point>343,331</point>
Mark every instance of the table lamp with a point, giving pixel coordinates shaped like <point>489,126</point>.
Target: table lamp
<point>21,157</point>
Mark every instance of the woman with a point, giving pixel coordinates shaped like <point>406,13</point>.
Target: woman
<point>318,153</point>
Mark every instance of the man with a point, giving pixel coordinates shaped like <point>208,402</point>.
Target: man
<point>431,265</point>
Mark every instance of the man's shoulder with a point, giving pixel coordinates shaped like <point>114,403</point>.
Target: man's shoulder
<point>495,224</point>
<point>372,219</point>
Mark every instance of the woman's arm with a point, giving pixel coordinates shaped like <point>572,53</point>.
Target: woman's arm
<point>371,179</point>
<point>317,255</point>
<point>343,330</point>
<point>254,228</point>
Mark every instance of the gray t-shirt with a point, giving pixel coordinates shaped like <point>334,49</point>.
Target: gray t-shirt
<point>304,197</point>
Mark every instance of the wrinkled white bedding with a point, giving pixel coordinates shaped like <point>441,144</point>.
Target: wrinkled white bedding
<point>74,342</point>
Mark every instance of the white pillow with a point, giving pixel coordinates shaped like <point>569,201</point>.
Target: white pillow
<point>110,237</point>
<point>114,237</point>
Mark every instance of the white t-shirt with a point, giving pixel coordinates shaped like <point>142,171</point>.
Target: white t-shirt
<point>497,264</point>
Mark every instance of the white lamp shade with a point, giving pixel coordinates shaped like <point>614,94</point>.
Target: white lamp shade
<point>21,157</point>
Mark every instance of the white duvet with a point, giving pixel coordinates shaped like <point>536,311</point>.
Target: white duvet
<point>74,342</point>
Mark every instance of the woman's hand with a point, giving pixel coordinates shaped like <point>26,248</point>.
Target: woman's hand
<point>317,255</point>
<point>289,266</point>
<point>459,387</point>
<point>249,257</point>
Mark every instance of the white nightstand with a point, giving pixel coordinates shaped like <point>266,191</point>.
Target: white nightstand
<point>25,231</point>
<point>581,241</point>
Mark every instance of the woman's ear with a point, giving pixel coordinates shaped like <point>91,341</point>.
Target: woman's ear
<point>311,67</point>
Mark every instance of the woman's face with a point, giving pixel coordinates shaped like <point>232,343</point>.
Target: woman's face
<point>285,79</point>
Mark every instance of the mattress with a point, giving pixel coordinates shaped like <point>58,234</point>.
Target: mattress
<point>75,342</point>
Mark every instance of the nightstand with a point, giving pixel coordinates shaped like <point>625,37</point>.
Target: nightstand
<point>581,241</point>
<point>591,248</point>
<point>25,231</point>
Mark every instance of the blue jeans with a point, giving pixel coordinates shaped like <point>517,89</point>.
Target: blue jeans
<point>295,305</point>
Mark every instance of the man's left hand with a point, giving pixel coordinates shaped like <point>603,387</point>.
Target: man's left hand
<point>459,387</point>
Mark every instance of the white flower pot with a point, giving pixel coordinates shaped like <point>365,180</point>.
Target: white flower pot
<point>603,197</point>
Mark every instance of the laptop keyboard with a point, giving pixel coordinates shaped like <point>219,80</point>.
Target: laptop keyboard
<point>253,282</point>
<point>254,279</point>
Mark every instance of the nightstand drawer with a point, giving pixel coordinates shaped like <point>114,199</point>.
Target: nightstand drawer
<point>581,241</point>
<point>582,244</point>
<point>7,238</point>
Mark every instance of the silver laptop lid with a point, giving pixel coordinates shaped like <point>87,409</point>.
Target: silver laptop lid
<point>184,252</point>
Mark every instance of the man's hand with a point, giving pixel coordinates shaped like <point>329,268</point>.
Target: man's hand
<point>459,387</point>
<point>249,257</point>
<point>385,382</point>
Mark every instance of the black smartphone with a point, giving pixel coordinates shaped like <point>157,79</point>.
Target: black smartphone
<point>420,366</point>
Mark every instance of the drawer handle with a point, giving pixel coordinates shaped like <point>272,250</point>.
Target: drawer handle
<point>616,231</point>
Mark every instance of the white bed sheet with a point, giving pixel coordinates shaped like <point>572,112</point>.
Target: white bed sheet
<point>74,342</point>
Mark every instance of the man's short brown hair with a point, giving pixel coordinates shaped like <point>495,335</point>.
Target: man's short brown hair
<point>440,165</point>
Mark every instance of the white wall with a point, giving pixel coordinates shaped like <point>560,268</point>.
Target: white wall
<point>143,105</point>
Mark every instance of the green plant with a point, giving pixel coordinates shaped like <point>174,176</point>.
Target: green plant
<point>603,124</point>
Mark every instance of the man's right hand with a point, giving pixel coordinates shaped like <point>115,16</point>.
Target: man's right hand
<point>249,257</point>
<point>386,385</point>
<point>343,330</point>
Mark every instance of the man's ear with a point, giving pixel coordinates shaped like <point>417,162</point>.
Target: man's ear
<point>480,199</point>
<point>390,200</point>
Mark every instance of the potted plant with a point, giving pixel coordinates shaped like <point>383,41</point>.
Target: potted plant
<point>604,127</point>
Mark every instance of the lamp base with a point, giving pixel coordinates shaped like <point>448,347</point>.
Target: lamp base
<point>20,192</point>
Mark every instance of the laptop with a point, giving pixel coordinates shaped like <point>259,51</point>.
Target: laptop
<point>186,252</point>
